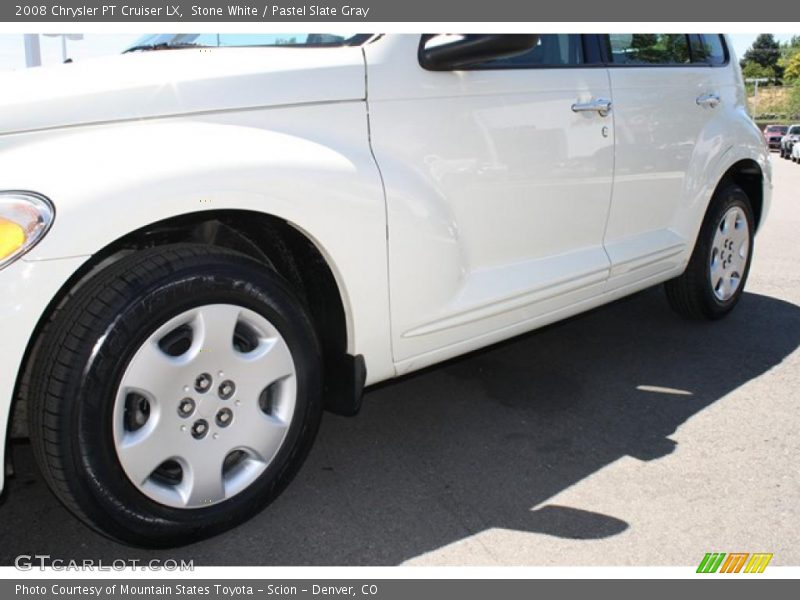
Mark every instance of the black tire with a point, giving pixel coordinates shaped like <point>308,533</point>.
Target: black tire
<point>691,295</point>
<point>88,343</point>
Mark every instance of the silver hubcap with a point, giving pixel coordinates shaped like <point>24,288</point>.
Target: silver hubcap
<point>204,406</point>
<point>729,253</point>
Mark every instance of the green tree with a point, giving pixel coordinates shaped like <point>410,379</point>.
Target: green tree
<point>790,47</point>
<point>753,70</point>
<point>766,53</point>
<point>791,67</point>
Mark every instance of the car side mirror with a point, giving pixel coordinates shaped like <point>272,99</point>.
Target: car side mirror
<point>453,52</point>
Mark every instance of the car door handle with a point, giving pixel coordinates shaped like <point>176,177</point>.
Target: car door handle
<point>599,105</point>
<point>709,100</point>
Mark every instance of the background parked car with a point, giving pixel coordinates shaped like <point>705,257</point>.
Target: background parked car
<point>796,153</point>
<point>788,140</point>
<point>773,134</point>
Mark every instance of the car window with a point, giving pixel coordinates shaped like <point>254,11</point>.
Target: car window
<point>648,49</point>
<point>552,50</point>
<point>708,48</point>
<point>221,40</point>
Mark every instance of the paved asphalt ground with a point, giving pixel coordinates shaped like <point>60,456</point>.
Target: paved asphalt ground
<point>625,436</point>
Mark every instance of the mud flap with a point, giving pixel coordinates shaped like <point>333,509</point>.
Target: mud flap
<point>344,385</point>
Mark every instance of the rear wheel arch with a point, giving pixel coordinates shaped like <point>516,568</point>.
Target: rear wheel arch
<point>746,174</point>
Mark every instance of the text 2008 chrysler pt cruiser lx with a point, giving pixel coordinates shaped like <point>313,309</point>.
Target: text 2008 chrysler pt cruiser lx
<point>202,248</point>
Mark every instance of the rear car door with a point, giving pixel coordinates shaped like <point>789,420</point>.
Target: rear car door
<point>666,90</point>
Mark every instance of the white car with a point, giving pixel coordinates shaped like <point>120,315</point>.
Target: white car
<point>795,153</point>
<point>203,247</point>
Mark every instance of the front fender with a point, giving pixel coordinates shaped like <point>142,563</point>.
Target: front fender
<point>308,165</point>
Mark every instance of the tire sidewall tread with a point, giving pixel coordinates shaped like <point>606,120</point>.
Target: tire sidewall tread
<point>691,294</point>
<point>74,453</point>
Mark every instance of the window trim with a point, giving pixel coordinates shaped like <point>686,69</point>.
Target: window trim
<point>690,65</point>
<point>592,55</point>
<point>595,54</point>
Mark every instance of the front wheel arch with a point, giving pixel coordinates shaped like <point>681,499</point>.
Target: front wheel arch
<point>266,238</point>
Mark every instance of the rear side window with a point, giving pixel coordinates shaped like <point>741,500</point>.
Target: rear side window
<point>707,48</point>
<point>665,49</point>
<point>553,50</point>
<point>648,49</point>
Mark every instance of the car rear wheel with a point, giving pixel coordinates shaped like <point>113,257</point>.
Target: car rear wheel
<point>714,279</point>
<point>176,394</point>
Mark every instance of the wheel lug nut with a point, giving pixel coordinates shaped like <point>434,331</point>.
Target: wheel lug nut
<point>202,383</point>
<point>224,417</point>
<point>199,429</point>
<point>226,389</point>
<point>186,407</point>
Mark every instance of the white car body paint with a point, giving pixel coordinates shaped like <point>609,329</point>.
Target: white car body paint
<point>504,209</point>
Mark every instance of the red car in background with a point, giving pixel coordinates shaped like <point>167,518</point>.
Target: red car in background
<point>773,134</point>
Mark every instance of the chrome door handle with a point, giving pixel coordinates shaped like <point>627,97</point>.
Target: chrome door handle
<point>709,100</point>
<point>599,105</point>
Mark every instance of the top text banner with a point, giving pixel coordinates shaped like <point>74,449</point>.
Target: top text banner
<point>441,11</point>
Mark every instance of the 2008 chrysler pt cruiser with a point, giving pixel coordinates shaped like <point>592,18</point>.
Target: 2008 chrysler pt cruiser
<point>207,240</point>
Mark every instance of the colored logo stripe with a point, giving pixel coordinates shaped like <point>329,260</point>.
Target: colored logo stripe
<point>711,562</point>
<point>735,561</point>
<point>758,562</point>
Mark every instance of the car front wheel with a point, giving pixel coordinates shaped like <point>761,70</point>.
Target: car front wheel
<point>176,394</point>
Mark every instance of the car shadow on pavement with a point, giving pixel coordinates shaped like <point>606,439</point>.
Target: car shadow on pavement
<point>480,442</point>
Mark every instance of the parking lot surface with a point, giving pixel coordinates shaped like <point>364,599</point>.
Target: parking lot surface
<point>625,436</point>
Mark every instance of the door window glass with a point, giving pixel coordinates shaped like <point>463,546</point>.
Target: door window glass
<point>708,48</point>
<point>648,49</point>
<point>552,50</point>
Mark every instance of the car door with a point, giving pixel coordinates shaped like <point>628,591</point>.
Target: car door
<point>666,91</point>
<point>498,185</point>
